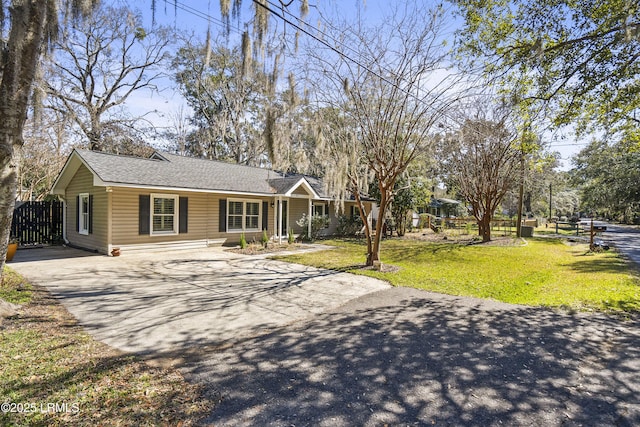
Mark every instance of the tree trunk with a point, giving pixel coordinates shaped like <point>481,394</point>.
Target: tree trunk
<point>374,252</point>
<point>486,228</point>
<point>19,60</point>
<point>401,223</point>
<point>8,183</point>
<point>373,240</point>
<point>95,135</point>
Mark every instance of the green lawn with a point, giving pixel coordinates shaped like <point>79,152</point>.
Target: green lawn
<point>545,272</point>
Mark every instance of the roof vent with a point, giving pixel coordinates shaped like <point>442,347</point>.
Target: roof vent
<point>158,156</point>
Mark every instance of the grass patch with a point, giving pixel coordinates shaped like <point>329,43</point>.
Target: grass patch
<point>544,272</point>
<point>52,368</point>
<point>14,288</point>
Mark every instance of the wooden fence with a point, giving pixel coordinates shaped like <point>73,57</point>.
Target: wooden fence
<point>38,223</point>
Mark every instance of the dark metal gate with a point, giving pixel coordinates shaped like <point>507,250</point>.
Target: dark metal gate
<point>37,223</point>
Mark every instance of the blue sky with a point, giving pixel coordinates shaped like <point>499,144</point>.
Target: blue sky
<point>195,16</point>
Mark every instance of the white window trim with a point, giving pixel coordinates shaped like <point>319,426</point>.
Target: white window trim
<point>325,208</point>
<point>83,230</point>
<point>325,211</point>
<point>176,212</point>
<point>244,216</point>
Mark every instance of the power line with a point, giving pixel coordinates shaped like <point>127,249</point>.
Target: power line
<point>205,16</point>
<point>351,59</point>
<point>569,144</point>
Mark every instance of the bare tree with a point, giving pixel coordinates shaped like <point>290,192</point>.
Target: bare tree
<point>97,66</point>
<point>44,152</point>
<point>482,161</point>
<point>384,96</point>
<point>178,130</point>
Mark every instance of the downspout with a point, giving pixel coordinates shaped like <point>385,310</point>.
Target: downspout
<point>110,245</point>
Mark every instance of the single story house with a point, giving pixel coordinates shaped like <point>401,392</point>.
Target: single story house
<point>441,207</point>
<point>132,203</point>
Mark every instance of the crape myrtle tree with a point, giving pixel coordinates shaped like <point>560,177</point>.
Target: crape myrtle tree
<point>27,28</point>
<point>96,65</point>
<point>381,103</point>
<point>482,162</point>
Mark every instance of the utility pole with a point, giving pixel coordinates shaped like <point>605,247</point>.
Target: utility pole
<point>550,199</point>
<point>520,195</point>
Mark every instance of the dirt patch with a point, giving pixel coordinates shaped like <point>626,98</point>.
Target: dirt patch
<point>384,268</point>
<point>462,239</point>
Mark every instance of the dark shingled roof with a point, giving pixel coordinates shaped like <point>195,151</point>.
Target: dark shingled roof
<point>180,172</point>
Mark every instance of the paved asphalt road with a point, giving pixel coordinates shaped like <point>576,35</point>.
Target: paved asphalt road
<point>626,239</point>
<point>407,357</point>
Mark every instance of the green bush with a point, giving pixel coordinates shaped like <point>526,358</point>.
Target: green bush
<point>317,223</point>
<point>243,241</point>
<point>349,226</point>
<point>423,221</point>
<point>291,237</point>
<point>467,227</point>
<point>265,239</point>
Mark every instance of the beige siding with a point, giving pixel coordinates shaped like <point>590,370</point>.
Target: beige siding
<point>297,207</point>
<point>203,218</point>
<point>333,221</point>
<point>82,182</point>
<point>333,218</point>
<point>125,214</point>
<point>301,191</point>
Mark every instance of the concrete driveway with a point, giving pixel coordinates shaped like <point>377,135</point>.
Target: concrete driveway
<point>167,301</point>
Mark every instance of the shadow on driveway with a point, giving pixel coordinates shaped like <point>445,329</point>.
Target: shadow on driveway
<point>48,253</point>
<point>165,301</point>
<point>404,356</point>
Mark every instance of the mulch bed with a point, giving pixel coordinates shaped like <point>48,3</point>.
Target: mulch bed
<point>256,249</point>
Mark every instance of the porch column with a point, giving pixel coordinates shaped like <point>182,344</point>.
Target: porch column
<point>310,218</point>
<point>280,219</point>
<point>275,218</point>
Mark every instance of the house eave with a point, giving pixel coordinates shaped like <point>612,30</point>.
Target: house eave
<point>307,187</point>
<point>71,166</point>
<point>185,189</point>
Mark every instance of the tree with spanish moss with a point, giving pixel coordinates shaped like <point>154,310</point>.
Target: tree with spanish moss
<point>32,25</point>
<point>580,61</point>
